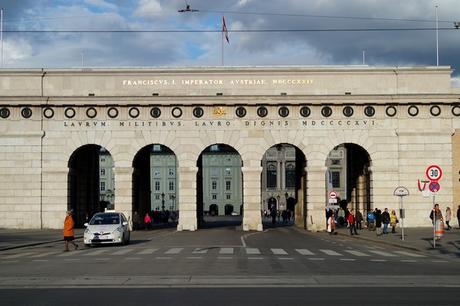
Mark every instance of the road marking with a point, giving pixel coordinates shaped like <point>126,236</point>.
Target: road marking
<point>315,258</point>
<point>133,258</point>
<point>383,253</point>
<point>255,258</point>
<point>224,257</point>
<point>378,260</point>
<point>123,252</point>
<point>278,252</point>
<point>347,259</point>
<point>226,251</point>
<point>285,258</point>
<point>162,257</point>
<point>174,251</point>
<point>195,257</point>
<point>304,252</point>
<point>72,259</point>
<point>40,260</point>
<point>408,260</point>
<point>9,261</point>
<point>200,251</point>
<point>147,252</point>
<point>18,255</point>
<point>409,254</point>
<point>443,261</point>
<point>44,254</point>
<point>357,253</point>
<point>101,259</point>
<point>252,251</point>
<point>95,253</point>
<point>331,253</point>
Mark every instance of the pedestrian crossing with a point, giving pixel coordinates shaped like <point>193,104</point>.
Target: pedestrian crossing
<point>222,253</point>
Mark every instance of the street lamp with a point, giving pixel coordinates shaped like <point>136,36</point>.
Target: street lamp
<point>163,201</point>
<point>173,198</point>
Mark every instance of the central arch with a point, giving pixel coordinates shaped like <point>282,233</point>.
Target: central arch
<point>219,187</point>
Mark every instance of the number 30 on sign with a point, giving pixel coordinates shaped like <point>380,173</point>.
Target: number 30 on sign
<point>433,173</point>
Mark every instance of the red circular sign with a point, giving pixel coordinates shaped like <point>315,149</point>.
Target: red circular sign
<point>332,195</point>
<point>434,186</point>
<point>433,173</point>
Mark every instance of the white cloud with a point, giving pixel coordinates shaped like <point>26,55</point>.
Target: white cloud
<point>16,50</point>
<point>102,4</point>
<point>148,8</point>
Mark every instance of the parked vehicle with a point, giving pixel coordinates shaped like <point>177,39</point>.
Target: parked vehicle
<point>107,228</point>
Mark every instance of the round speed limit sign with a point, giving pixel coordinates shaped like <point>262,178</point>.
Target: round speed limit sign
<point>434,173</point>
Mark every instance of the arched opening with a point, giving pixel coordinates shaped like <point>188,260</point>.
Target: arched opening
<point>219,187</point>
<point>283,184</point>
<point>155,189</point>
<point>349,179</point>
<point>91,182</point>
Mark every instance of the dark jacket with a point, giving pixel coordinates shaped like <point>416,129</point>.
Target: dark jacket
<point>385,217</point>
<point>378,218</point>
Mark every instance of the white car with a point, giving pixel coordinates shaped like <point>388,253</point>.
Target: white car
<point>106,228</point>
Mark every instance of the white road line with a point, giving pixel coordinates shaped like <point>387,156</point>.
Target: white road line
<point>162,257</point>
<point>331,253</point>
<point>304,252</point>
<point>278,252</point>
<point>252,251</point>
<point>123,252</point>
<point>40,260</point>
<point>147,252</point>
<point>443,261</point>
<point>72,259</point>
<point>378,260</point>
<point>347,259</point>
<point>195,257</point>
<point>357,253</point>
<point>408,260</point>
<point>200,251</point>
<point>9,261</point>
<point>17,255</point>
<point>255,258</point>
<point>133,258</point>
<point>408,254</point>
<point>285,258</point>
<point>315,258</point>
<point>95,253</point>
<point>226,251</point>
<point>174,251</point>
<point>386,254</point>
<point>44,254</point>
<point>224,257</point>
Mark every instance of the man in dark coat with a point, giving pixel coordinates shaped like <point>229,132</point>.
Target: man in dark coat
<point>378,221</point>
<point>385,221</point>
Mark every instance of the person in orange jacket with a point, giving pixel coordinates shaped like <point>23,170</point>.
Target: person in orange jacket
<point>69,232</point>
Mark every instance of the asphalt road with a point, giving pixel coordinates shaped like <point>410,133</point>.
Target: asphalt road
<point>278,266</point>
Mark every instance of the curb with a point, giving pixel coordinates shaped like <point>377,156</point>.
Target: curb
<point>382,242</point>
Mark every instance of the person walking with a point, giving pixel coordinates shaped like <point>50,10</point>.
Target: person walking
<point>331,224</point>
<point>458,216</point>
<point>359,220</point>
<point>393,221</point>
<point>448,217</point>
<point>438,222</point>
<point>378,221</point>
<point>385,220</point>
<point>69,234</point>
<point>352,222</point>
<point>147,221</point>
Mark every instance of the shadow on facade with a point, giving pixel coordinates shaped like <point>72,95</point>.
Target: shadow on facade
<point>219,187</point>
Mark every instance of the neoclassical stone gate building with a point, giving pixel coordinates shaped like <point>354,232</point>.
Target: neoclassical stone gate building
<point>404,118</point>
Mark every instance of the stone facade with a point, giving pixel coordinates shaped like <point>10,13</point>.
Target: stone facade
<point>404,118</point>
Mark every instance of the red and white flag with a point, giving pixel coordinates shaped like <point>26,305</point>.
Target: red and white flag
<point>224,29</point>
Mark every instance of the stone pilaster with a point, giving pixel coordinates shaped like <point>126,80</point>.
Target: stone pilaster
<point>187,199</point>
<point>316,198</point>
<point>54,196</point>
<point>124,190</point>
<point>252,219</point>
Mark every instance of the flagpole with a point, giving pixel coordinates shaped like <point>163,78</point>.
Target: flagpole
<point>437,37</point>
<point>1,31</point>
<point>222,42</point>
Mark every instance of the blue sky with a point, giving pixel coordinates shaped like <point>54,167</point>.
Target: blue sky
<point>400,48</point>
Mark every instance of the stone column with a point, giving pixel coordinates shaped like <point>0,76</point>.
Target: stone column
<point>316,198</point>
<point>252,219</point>
<point>186,199</point>
<point>124,190</point>
<point>300,206</point>
<point>361,191</point>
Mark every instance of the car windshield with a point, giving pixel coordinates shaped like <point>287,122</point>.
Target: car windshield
<point>104,219</point>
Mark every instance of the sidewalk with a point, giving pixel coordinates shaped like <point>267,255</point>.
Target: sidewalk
<point>13,238</point>
<point>417,239</point>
